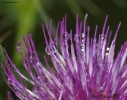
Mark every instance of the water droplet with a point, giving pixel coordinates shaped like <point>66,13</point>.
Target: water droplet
<point>37,64</point>
<point>34,90</point>
<point>31,60</point>
<point>14,87</point>
<point>82,48</point>
<point>107,48</point>
<point>106,54</point>
<point>13,67</point>
<point>53,48</point>
<point>47,50</point>
<point>18,46</point>
<point>55,42</point>
<point>9,81</point>
<point>101,88</point>
<point>65,35</point>
<point>102,36</point>
<point>88,28</point>
<point>83,35</point>
<point>107,51</point>
<point>31,56</point>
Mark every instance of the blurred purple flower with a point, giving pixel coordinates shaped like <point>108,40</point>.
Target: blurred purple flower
<point>84,69</point>
<point>9,96</point>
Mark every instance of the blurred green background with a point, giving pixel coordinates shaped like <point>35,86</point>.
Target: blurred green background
<point>27,16</point>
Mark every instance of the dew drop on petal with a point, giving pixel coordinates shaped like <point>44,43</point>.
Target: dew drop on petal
<point>107,51</point>
<point>37,64</point>
<point>83,35</point>
<point>18,46</point>
<point>55,42</point>
<point>9,81</point>
<point>53,48</point>
<point>88,28</point>
<point>38,77</point>
<point>14,86</point>
<point>13,67</point>
<point>47,50</point>
<point>31,60</point>
<point>82,48</point>
<point>107,48</point>
<point>34,90</point>
<point>101,88</point>
<point>102,37</point>
<point>65,35</point>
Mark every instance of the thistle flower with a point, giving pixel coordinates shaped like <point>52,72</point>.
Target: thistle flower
<point>84,67</point>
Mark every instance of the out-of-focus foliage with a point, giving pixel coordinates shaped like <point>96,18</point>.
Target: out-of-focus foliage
<point>26,16</point>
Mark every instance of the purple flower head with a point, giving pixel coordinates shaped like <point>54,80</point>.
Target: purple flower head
<point>84,67</point>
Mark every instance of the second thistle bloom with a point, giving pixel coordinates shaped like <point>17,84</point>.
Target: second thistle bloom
<point>84,69</point>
